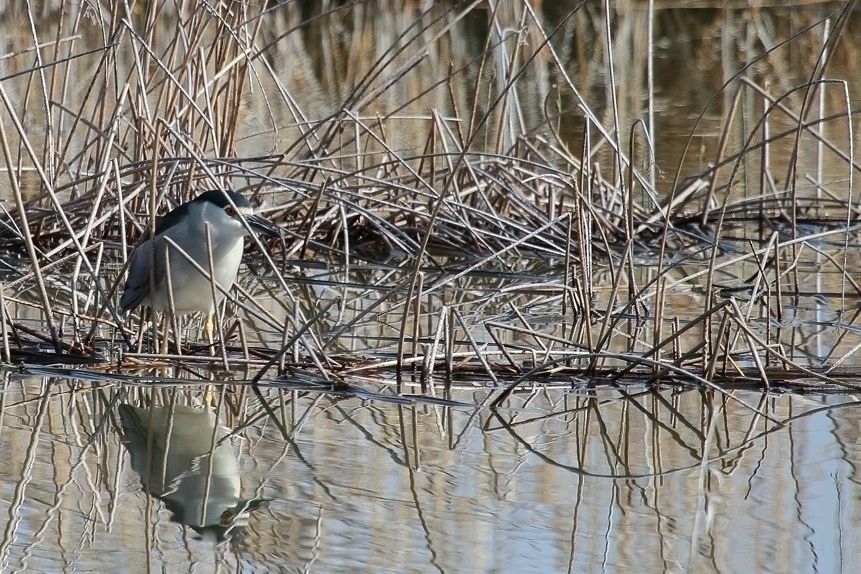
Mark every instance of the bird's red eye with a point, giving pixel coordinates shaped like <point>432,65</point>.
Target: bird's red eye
<point>230,211</point>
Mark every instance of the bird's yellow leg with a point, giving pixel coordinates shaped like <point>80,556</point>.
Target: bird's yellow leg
<point>175,323</point>
<point>209,332</point>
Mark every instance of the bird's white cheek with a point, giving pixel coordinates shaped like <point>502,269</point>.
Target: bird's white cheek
<point>228,225</point>
<point>239,229</point>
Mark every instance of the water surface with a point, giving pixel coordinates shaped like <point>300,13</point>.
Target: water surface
<point>668,480</point>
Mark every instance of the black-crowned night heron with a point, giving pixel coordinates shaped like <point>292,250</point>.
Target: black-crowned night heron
<point>185,227</point>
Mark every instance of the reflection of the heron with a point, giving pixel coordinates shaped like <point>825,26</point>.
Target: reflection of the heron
<point>184,460</point>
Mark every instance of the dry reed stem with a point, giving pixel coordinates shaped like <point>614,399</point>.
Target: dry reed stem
<point>479,198</point>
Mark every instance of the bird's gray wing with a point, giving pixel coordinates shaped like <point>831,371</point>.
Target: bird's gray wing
<point>138,280</point>
<point>172,218</point>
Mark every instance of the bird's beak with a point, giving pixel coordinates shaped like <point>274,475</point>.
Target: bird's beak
<point>262,225</point>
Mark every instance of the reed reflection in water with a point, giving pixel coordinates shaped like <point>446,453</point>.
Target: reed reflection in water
<point>630,481</point>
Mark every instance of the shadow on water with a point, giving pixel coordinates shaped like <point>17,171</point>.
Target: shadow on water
<point>183,459</point>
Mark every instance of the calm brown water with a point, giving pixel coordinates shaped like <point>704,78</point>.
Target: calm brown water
<point>669,481</point>
<point>103,474</point>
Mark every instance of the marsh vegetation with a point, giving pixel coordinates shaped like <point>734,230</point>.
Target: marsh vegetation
<point>561,267</point>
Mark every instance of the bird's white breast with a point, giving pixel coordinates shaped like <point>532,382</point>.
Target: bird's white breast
<point>192,290</point>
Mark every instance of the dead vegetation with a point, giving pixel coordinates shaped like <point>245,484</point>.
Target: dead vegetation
<point>486,225</point>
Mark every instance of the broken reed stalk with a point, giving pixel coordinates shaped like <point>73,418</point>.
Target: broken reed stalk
<point>4,325</point>
<point>350,176</point>
<point>35,264</point>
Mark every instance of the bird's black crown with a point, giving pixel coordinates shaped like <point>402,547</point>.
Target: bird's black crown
<point>219,198</point>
